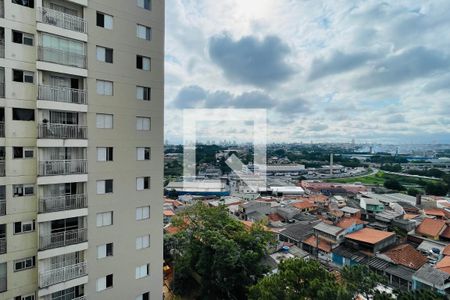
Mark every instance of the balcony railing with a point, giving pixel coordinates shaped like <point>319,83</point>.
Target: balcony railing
<point>2,129</point>
<point>2,168</point>
<point>61,57</point>
<point>2,90</point>
<point>3,245</point>
<point>2,48</point>
<point>2,207</point>
<point>51,277</point>
<point>3,284</point>
<point>53,17</point>
<point>62,167</point>
<point>64,297</point>
<point>62,239</point>
<point>61,203</point>
<point>62,131</point>
<point>62,94</point>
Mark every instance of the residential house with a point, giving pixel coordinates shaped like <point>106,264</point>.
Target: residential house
<point>428,277</point>
<point>370,240</point>
<point>431,228</point>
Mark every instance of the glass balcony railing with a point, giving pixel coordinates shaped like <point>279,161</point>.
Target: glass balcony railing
<point>62,20</point>
<point>62,131</point>
<point>62,274</point>
<point>62,167</point>
<point>62,94</point>
<point>62,239</point>
<point>61,203</point>
<point>57,56</point>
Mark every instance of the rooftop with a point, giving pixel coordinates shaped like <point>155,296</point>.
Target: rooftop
<point>407,256</point>
<point>438,212</point>
<point>350,210</point>
<point>444,264</point>
<point>322,245</point>
<point>369,235</point>
<point>432,276</point>
<point>299,231</point>
<point>348,222</point>
<point>327,228</point>
<point>304,205</point>
<point>431,227</point>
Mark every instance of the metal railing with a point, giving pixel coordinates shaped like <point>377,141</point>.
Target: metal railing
<point>62,167</point>
<point>80,298</point>
<point>61,57</point>
<point>51,277</point>
<point>3,245</point>
<point>63,238</point>
<point>62,94</point>
<point>53,17</point>
<point>2,129</point>
<point>2,90</point>
<point>64,297</point>
<point>62,131</point>
<point>2,168</point>
<point>61,203</point>
<point>2,207</point>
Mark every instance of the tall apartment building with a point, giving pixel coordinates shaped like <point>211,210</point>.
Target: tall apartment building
<point>81,121</point>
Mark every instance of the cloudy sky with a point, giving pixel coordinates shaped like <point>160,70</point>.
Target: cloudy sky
<point>324,70</point>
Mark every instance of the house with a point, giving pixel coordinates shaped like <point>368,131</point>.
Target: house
<point>288,212</point>
<point>371,205</point>
<point>350,224</point>
<point>407,256</point>
<point>437,213</point>
<point>431,228</point>
<point>167,215</point>
<point>254,210</point>
<point>428,277</point>
<point>351,212</point>
<point>329,233</point>
<point>370,240</point>
<point>305,206</point>
<point>319,246</point>
<point>298,232</point>
<point>444,264</point>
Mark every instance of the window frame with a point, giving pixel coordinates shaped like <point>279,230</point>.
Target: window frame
<point>144,153</point>
<point>109,154</point>
<point>27,260</point>
<point>23,37</point>
<point>105,17</point>
<point>140,213</point>
<point>23,188</point>
<point>104,119</point>
<point>104,90</point>
<point>146,93</point>
<point>140,242</point>
<point>102,215</point>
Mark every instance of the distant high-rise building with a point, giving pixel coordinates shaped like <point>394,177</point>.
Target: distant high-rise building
<point>81,119</point>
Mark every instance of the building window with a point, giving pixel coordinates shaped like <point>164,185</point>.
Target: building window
<point>27,297</point>
<point>23,114</point>
<point>104,219</point>
<point>104,186</point>
<point>143,93</point>
<point>142,123</point>
<point>105,154</point>
<point>142,242</point>
<point>143,183</point>
<point>143,153</point>
<point>104,282</point>
<point>144,296</point>
<point>143,32</point>
<point>145,4</point>
<point>22,38</point>
<point>105,54</point>
<point>105,88</point>
<point>142,271</point>
<point>20,190</point>
<point>25,263</point>
<point>104,20</point>
<point>24,227</point>
<point>142,213</point>
<point>105,250</point>
<point>104,121</point>
<point>143,62</point>
<point>27,3</point>
<point>23,76</point>
<point>21,152</point>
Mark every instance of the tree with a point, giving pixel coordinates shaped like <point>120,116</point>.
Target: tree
<point>360,279</point>
<point>436,189</point>
<point>299,279</point>
<point>393,184</point>
<point>413,192</point>
<point>419,294</point>
<point>217,253</point>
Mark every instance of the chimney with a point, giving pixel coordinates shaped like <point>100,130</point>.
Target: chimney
<point>418,199</point>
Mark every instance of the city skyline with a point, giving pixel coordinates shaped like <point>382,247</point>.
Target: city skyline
<point>372,71</point>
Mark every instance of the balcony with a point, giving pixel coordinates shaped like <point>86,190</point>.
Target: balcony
<point>2,48</point>
<point>2,245</point>
<point>62,20</point>
<point>62,167</point>
<point>62,94</point>
<point>61,203</point>
<point>2,129</point>
<point>3,284</point>
<point>57,56</point>
<point>2,207</point>
<point>62,274</point>
<point>62,239</point>
<point>62,131</point>
<point>2,168</point>
<point>64,297</point>
<point>2,90</point>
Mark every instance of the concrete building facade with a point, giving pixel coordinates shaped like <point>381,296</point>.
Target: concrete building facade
<point>81,131</point>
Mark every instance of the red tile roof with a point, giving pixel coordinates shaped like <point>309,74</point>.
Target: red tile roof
<point>407,256</point>
<point>168,213</point>
<point>304,205</point>
<point>430,227</point>
<point>369,235</point>
<point>446,250</point>
<point>275,217</point>
<point>444,264</point>
<point>446,233</point>
<point>323,245</point>
<point>434,212</point>
<point>348,222</point>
